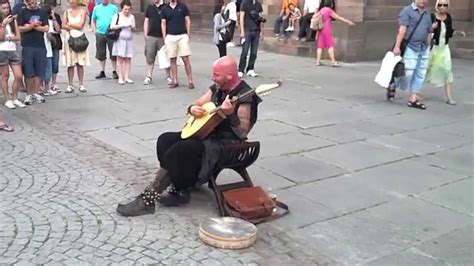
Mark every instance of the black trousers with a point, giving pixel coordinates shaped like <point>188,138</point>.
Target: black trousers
<point>232,29</point>
<point>181,158</point>
<point>305,23</point>
<point>222,47</point>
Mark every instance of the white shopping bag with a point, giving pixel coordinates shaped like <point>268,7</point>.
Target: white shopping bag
<point>384,75</point>
<point>163,59</point>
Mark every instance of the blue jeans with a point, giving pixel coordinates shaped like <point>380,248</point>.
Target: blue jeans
<point>48,71</point>
<point>416,64</point>
<point>252,39</point>
<point>280,24</point>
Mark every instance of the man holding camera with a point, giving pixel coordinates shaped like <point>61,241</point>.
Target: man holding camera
<point>251,31</point>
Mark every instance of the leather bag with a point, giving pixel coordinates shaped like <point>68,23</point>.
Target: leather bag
<point>252,204</point>
<point>78,44</point>
<point>317,23</point>
<point>114,34</point>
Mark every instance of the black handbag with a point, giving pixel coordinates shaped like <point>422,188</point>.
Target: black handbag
<point>78,44</point>
<point>226,36</point>
<point>399,70</point>
<point>114,34</point>
<point>56,41</point>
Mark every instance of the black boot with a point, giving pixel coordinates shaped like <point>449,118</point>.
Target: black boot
<point>143,204</point>
<point>175,199</point>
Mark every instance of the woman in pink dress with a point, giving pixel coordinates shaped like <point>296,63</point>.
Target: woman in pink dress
<point>325,40</point>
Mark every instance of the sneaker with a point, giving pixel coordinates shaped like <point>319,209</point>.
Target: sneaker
<point>121,82</point>
<point>82,88</point>
<point>101,75</point>
<point>129,81</point>
<point>115,75</point>
<point>241,74</point>
<point>169,80</point>
<point>49,92</point>
<point>252,73</point>
<point>9,104</point>
<point>147,81</point>
<point>56,89</point>
<point>28,99</point>
<point>38,98</point>
<point>230,44</point>
<point>18,103</point>
<point>288,29</point>
<point>69,89</point>
<point>277,35</point>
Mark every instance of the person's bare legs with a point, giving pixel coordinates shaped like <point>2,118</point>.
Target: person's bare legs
<point>187,68</point>
<point>128,65</point>
<point>149,70</point>
<point>174,70</point>
<point>37,84</point>
<point>119,68</point>
<point>4,82</point>
<point>80,74</point>
<point>319,52</point>
<point>17,79</point>
<point>447,91</point>
<point>70,76</point>
<point>114,64</point>
<point>102,65</point>
<point>30,86</point>
<point>331,55</point>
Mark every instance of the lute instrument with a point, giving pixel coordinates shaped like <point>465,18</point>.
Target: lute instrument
<point>200,127</point>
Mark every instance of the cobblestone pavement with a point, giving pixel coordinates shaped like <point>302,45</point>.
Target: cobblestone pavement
<point>59,190</point>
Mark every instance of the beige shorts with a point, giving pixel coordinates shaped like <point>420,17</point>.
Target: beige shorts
<point>177,45</point>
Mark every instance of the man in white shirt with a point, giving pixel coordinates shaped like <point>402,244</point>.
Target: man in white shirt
<point>230,13</point>
<point>310,7</point>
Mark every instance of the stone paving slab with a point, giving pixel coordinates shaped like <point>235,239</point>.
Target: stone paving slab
<point>367,181</point>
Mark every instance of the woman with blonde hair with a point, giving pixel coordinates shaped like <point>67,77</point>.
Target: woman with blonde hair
<point>73,22</point>
<point>439,70</point>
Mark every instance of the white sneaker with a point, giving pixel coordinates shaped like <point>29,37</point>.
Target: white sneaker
<point>9,104</point>
<point>288,29</point>
<point>38,98</point>
<point>147,81</point>
<point>82,88</point>
<point>69,89</point>
<point>49,92</point>
<point>169,80</point>
<point>230,44</point>
<point>129,81</point>
<point>28,99</point>
<point>241,74</point>
<point>18,103</point>
<point>252,73</point>
<point>121,82</point>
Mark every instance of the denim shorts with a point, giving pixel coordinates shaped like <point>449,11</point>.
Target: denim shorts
<point>416,64</point>
<point>10,58</point>
<point>34,61</point>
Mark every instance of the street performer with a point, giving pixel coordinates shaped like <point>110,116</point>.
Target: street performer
<point>188,162</point>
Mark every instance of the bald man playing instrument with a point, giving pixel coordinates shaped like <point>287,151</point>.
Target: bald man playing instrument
<point>185,163</point>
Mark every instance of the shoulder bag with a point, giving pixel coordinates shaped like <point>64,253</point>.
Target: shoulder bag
<point>253,204</point>
<point>78,44</point>
<point>114,34</point>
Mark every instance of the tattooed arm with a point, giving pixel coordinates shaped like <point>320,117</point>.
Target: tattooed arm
<point>244,126</point>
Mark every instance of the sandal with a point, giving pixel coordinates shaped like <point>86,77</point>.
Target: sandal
<point>6,128</point>
<point>336,64</point>
<point>416,104</point>
<point>318,64</point>
<point>174,85</point>
<point>391,94</point>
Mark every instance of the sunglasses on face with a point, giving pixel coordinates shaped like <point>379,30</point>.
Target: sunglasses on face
<point>442,5</point>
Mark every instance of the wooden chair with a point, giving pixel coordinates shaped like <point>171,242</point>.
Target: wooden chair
<point>236,157</point>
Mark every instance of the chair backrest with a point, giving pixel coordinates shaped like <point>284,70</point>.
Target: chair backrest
<point>239,155</point>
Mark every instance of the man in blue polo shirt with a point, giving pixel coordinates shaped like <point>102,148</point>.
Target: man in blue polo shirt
<point>415,26</point>
<point>101,19</point>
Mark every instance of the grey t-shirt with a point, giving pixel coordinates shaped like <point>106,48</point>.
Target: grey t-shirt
<point>409,17</point>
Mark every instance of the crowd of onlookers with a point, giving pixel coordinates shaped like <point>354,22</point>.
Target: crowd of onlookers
<point>31,42</point>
